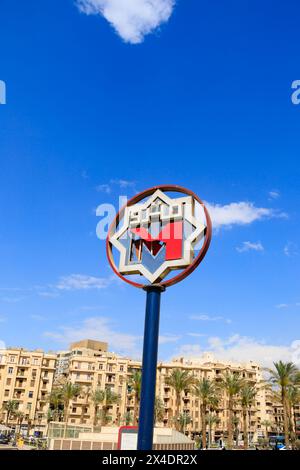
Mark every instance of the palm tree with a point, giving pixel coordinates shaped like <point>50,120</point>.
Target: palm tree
<point>127,419</point>
<point>235,425</point>
<point>211,420</point>
<point>267,424</point>
<point>179,381</point>
<point>283,376</point>
<point>19,415</point>
<point>183,420</point>
<point>56,402</point>
<point>10,407</point>
<point>231,383</point>
<point>159,410</point>
<point>69,391</point>
<point>85,393</point>
<point>111,398</point>
<point>98,397</point>
<point>293,397</point>
<point>205,390</point>
<point>247,397</point>
<point>135,385</point>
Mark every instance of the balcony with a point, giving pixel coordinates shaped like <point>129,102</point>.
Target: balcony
<point>20,385</point>
<point>84,379</point>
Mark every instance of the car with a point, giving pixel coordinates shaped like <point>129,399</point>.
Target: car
<point>4,440</point>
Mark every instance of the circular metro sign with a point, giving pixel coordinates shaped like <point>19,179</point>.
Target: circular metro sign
<point>159,231</point>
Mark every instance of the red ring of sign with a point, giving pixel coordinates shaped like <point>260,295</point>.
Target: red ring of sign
<point>187,271</point>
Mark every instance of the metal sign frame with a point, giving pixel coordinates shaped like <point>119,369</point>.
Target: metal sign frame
<point>189,265</point>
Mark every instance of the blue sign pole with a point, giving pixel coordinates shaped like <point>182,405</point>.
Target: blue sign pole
<point>147,403</point>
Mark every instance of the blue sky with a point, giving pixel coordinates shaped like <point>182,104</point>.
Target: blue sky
<point>192,93</point>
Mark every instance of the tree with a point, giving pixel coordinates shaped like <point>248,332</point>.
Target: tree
<point>267,424</point>
<point>283,376</point>
<point>247,397</point>
<point>235,425</point>
<point>179,381</point>
<point>69,391</point>
<point>231,383</point>
<point>205,390</point>
<point>293,398</point>
<point>111,398</point>
<point>19,415</point>
<point>135,385</point>
<point>85,393</point>
<point>55,400</point>
<point>159,410</point>
<point>211,420</point>
<point>183,420</point>
<point>128,418</point>
<point>98,397</point>
<point>10,407</point>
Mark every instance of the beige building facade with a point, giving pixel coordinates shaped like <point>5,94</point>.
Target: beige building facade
<point>92,368</point>
<point>26,377</point>
<point>29,376</point>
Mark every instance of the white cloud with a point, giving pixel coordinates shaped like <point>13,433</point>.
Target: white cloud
<point>239,213</point>
<point>242,349</point>
<point>274,194</point>
<point>131,19</point>
<point>82,282</point>
<point>37,317</point>
<point>291,249</point>
<point>247,246</point>
<point>196,335</point>
<point>282,306</point>
<point>168,338</point>
<point>103,188</point>
<point>48,294</point>
<point>205,317</point>
<point>121,183</point>
<point>101,329</point>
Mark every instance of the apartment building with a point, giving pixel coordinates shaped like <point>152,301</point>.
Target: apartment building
<point>76,348</point>
<point>91,366</point>
<point>27,378</point>
<point>208,368</point>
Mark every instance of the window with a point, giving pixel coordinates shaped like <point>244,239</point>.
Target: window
<point>10,370</point>
<point>30,394</point>
<point>35,361</point>
<point>100,366</point>
<point>29,406</point>
<point>6,393</point>
<point>8,381</point>
<point>11,358</point>
<point>74,409</point>
<point>121,368</point>
<point>23,361</point>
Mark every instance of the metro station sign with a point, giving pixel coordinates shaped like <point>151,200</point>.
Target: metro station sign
<point>162,229</point>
